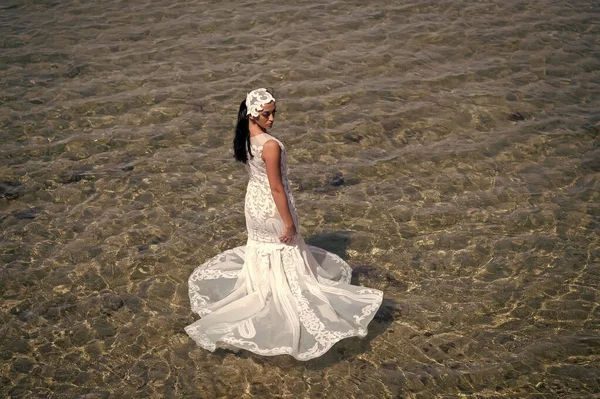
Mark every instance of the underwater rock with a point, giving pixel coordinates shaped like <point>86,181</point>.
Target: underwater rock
<point>366,270</point>
<point>70,177</point>
<point>411,133</point>
<point>21,346</point>
<point>10,189</point>
<point>80,335</point>
<point>446,347</point>
<point>20,307</point>
<point>515,117</point>
<point>111,301</point>
<point>23,312</point>
<point>408,232</point>
<point>389,366</point>
<point>353,137</point>
<point>391,125</point>
<point>337,180</point>
<point>133,303</point>
<point>22,365</point>
<point>153,241</point>
<point>104,329</point>
<point>30,213</point>
<point>593,128</point>
<point>73,72</point>
<point>330,217</point>
<point>77,150</point>
<point>591,160</point>
<point>162,289</point>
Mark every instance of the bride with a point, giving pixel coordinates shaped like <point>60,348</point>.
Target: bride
<point>275,295</point>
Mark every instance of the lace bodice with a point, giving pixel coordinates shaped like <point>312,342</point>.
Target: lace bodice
<point>256,165</point>
<point>263,221</point>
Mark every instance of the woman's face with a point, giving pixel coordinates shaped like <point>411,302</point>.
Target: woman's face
<point>266,116</point>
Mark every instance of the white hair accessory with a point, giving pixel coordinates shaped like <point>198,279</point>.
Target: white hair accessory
<point>256,100</point>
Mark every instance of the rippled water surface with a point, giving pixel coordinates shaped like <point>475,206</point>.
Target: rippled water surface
<point>449,150</point>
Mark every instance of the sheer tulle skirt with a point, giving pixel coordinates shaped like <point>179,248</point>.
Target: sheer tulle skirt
<point>272,299</point>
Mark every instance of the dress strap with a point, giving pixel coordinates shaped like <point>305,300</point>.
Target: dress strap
<point>260,140</point>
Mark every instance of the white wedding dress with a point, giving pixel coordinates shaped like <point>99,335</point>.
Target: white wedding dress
<point>272,298</point>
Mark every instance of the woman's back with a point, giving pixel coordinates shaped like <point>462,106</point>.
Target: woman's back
<point>256,165</point>
<point>263,220</point>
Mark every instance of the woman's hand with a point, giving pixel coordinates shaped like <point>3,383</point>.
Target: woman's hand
<point>288,234</point>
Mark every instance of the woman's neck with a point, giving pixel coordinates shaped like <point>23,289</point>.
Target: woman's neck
<point>255,130</point>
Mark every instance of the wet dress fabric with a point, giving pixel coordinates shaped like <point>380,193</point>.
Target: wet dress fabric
<point>272,298</point>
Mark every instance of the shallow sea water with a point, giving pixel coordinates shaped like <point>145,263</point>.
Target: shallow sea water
<point>448,150</point>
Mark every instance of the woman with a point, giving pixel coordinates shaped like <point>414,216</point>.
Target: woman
<point>275,295</point>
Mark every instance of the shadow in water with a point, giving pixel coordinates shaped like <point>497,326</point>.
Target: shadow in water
<point>336,242</point>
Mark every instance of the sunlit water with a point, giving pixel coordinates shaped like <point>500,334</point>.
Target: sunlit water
<point>448,150</point>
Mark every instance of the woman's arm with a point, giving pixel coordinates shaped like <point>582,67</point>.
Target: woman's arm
<point>272,156</point>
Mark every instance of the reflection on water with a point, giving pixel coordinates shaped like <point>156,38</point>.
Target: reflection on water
<point>448,150</point>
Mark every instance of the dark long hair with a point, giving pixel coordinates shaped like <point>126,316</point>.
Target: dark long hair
<point>241,140</point>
